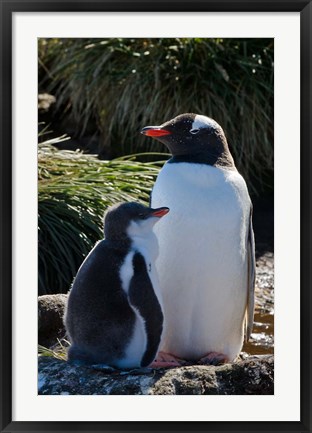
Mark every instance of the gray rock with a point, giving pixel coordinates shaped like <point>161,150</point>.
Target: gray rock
<point>50,319</point>
<point>45,100</point>
<point>252,376</point>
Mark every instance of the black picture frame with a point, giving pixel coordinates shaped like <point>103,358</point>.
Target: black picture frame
<point>8,7</point>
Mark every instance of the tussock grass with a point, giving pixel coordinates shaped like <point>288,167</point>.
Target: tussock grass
<point>121,85</point>
<point>59,351</point>
<point>74,191</point>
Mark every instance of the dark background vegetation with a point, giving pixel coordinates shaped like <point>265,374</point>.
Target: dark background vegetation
<point>104,91</point>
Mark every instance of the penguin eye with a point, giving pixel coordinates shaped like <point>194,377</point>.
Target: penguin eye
<point>142,216</point>
<point>194,131</point>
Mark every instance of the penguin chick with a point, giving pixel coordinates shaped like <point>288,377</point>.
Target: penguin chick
<point>207,265</point>
<point>114,314</point>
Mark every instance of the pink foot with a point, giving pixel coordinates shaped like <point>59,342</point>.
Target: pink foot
<point>165,360</point>
<point>213,358</point>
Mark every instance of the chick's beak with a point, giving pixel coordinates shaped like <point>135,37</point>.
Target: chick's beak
<point>159,212</point>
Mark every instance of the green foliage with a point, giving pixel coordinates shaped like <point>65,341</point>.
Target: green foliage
<point>58,351</point>
<point>122,85</point>
<point>74,191</point>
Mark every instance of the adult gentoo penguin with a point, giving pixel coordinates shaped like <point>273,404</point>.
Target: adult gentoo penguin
<point>114,315</point>
<point>207,263</point>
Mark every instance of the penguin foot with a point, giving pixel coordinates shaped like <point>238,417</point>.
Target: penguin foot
<point>213,358</point>
<point>165,360</point>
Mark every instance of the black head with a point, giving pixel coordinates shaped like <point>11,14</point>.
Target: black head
<point>193,137</point>
<point>120,217</point>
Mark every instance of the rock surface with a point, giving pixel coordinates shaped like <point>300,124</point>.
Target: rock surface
<point>265,284</point>
<point>254,376</point>
<point>45,100</point>
<point>50,319</point>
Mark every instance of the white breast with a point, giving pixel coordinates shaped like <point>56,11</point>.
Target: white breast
<point>202,263</point>
<point>148,247</point>
<point>137,344</point>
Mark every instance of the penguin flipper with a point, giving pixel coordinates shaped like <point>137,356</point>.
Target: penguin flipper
<point>250,279</point>
<point>143,298</point>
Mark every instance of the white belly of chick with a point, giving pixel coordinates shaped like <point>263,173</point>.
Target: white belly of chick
<point>202,264</point>
<point>137,345</point>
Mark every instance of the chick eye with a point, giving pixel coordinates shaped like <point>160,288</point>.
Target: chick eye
<point>194,131</point>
